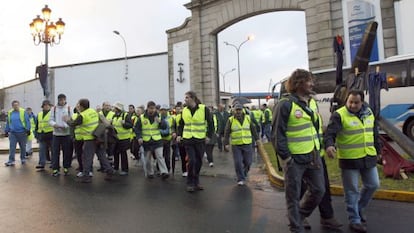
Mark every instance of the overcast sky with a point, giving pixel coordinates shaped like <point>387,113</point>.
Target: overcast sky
<point>276,50</point>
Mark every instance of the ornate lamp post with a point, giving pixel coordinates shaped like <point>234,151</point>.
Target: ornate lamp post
<point>45,31</point>
<point>126,56</point>
<point>224,76</point>
<point>238,56</point>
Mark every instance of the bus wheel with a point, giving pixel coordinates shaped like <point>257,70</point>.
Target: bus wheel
<point>409,131</point>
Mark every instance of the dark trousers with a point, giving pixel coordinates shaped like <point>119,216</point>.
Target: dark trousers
<point>78,146</point>
<point>183,155</point>
<point>121,148</point>
<point>325,207</point>
<point>297,207</point>
<point>195,153</point>
<point>63,143</point>
<point>220,142</point>
<point>209,152</point>
<point>166,153</point>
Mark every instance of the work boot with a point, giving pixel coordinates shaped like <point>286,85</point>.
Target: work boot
<point>357,227</point>
<point>330,223</point>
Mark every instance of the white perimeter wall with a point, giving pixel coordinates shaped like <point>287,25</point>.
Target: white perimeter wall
<point>29,94</point>
<point>105,81</point>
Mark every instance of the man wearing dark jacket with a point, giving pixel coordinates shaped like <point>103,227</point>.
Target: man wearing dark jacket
<point>194,128</point>
<point>352,135</point>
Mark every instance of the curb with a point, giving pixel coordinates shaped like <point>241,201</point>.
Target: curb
<point>6,151</point>
<point>381,194</point>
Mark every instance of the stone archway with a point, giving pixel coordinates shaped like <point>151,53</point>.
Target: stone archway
<point>192,56</point>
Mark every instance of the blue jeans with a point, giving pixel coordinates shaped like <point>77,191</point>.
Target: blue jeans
<point>242,157</point>
<point>357,200</point>
<point>15,138</point>
<point>44,149</point>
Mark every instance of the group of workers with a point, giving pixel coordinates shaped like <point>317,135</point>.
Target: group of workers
<point>295,129</point>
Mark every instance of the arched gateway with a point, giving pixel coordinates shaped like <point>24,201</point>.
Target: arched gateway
<point>192,47</point>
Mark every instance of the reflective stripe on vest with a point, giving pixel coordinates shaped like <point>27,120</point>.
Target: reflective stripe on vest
<point>90,120</point>
<point>356,139</point>
<point>43,123</point>
<point>150,130</point>
<point>240,134</point>
<point>76,131</point>
<point>121,132</point>
<point>301,134</point>
<point>134,119</point>
<point>194,125</point>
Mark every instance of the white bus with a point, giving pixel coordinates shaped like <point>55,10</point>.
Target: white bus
<point>397,104</point>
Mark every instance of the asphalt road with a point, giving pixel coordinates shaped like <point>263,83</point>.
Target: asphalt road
<point>32,201</point>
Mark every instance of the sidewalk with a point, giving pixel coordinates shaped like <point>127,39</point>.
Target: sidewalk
<point>4,145</point>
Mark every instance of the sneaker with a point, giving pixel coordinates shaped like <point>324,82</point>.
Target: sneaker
<point>90,174</point>
<point>55,173</point>
<point>306,224</point>
<point>23,162</point>
<point>185,174</point>
<point>123,173</point>
<point>211,164</point>
<point>190,189</point>
<point>240,183</point>
<point>8,164</point>
<point>199,188</point>
<point>65,171</point>
<point>150,176</point>
<point>80,174</point>
<point>330,223</point>
<point>40,167</point>
<point>358,227</point>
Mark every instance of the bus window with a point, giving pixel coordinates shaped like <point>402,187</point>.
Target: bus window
<point>396,74</point>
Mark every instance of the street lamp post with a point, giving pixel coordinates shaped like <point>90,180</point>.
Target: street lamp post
<point>45,31</point>
<point>224,76</point>
<point>126,55</point>
<point>238,57</point>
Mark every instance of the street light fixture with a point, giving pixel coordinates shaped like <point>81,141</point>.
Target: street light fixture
<point>224,76</point>
<point>251,37</point>
<point>126,55</point>
<point>45,31</point>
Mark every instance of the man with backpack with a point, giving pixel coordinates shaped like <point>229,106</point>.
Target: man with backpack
<point>62,139</point>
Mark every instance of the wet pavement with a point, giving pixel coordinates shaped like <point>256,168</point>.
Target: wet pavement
<point>34,201</point>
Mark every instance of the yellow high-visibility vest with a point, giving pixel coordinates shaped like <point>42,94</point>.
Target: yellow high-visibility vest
<point>43,123</point>
<point>194,125</point>
<point>301,134</point>
<point>90,120</point>
<point>150,130</point>
<point>356,139</point>
<point>240,133</point>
